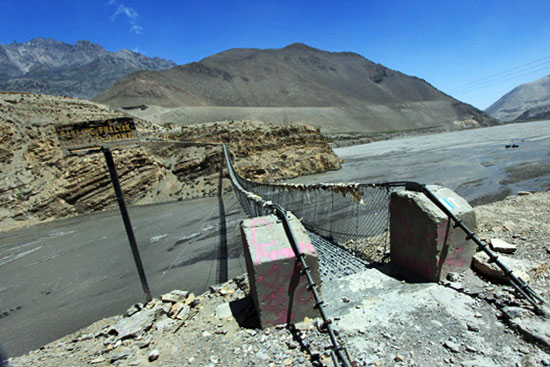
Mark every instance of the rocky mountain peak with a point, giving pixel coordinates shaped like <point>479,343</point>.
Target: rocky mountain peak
<point>41,41</point>
<point>79,69</point>
<point>300,46</point>
<point>527,101</point>
<point>90,46</point>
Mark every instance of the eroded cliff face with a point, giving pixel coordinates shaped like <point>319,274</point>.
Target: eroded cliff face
<point>267,152</point>
<point>39,183</point>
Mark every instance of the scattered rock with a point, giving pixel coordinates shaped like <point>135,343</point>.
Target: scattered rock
<point>184,313</point>
<point>165,323</point>
<point>524,350</point>
<point>191,300</point>
<point>137,324</point>
<point>98,360</point>
<point>262,356</point>
<point>452,346</point>
<point>509,226</point>
<point>502,246</point>
<point>533,328</point>
<point>307,324</point>
<point>153,355</point>
<point>473,328</point>
<point>223,311</point>
<point>399,358</point>
<point>513,312</point>
<point>121,354</point>
<point>175,296</point>
<point>130,311</point>
<point>85,337</point>
<point>144,344</point>
<point>291,345</point>
<point>215,289</point>
<point>175,310</point>
<point>153,304</point>
<point>481,264</point>
<point>453,277</point>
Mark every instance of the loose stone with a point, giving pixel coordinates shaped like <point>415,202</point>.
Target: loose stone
<point>154,355</point>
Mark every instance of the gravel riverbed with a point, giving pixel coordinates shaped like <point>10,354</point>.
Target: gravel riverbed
<point>476,322</point>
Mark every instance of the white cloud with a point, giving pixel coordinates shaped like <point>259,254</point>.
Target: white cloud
<point>137,29</point>
<point>126,10</point>
<point>129,12</point>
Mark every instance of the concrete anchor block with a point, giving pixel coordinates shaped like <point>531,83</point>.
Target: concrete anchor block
<point>423,241</point>
<point>278,288</point>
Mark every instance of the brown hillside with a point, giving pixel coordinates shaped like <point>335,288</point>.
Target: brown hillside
<point>370,96</point>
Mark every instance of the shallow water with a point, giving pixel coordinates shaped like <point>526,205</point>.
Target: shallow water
<point>474,163</point>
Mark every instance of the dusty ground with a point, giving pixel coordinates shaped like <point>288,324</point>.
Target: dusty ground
<point>523,221</point>
<point>461,322</point>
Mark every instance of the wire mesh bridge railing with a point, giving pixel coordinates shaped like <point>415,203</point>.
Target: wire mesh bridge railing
<point>355,216</point>
<point>352,215</point>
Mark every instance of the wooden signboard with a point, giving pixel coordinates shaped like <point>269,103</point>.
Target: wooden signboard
<point>102,135</point>
<point>83,136</point>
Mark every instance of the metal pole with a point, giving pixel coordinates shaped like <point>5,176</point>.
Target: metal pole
<point>127,223</point>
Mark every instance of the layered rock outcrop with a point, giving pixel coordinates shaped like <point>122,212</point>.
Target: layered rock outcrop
<point>267,152</point>
<point>38,183</point>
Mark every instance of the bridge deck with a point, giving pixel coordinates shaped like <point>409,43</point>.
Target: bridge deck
<point>334,261</point>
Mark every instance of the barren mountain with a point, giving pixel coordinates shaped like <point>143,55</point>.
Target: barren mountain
<point>337,91</point>
<point>529,101</point>
<point>37,183</point>
<point>82,70</point>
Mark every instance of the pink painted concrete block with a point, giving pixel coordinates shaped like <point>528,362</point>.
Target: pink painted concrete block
<point>423,244</point>
<point>278,288</point>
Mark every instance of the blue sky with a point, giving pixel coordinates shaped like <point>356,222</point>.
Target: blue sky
<point>475,51</point>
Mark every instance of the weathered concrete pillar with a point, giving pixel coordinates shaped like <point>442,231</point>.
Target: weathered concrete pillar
<point>278,289</point>
<point>423,244</point>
